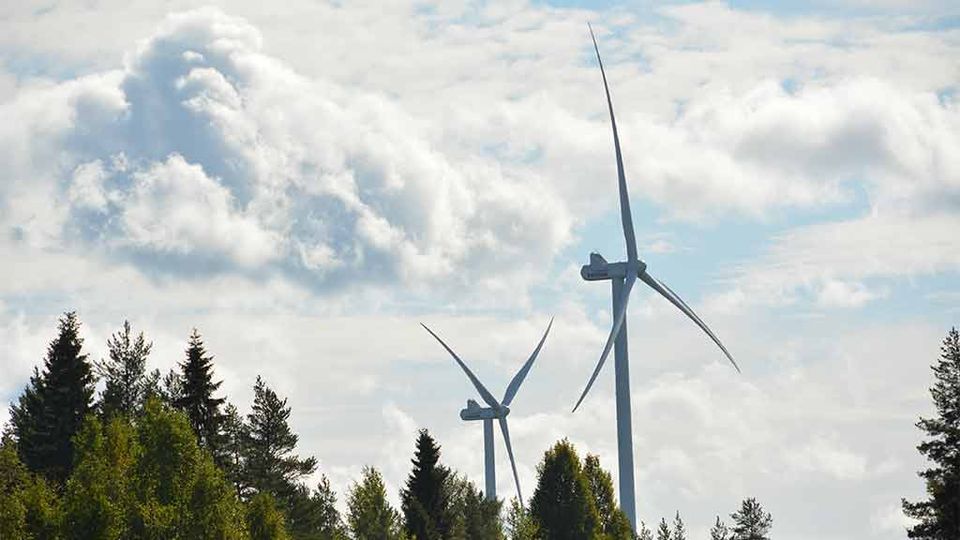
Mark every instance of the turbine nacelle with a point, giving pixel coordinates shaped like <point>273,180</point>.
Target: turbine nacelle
<point>475,412</point>
<point>599,269</point>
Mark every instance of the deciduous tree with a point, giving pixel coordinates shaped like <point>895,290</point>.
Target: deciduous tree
<point>562,504</point>
<point>369,515</point>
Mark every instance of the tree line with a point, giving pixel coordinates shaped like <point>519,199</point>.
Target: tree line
<point>158,456</point>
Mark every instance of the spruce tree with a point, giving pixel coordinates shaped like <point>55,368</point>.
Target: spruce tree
<point>663,531</point>
<point>719,531</point>
<point>54,404</point>
<point>679,531</point>
<point>751,522</point>
<point>196,396</point>
<point>369,515</point>
<point>269,463</point>
<point>562,504</point>
<point>644,533</point>
<point>939,515</point>
<point>232,450</point>
<point>423,500</point>
<point>613,522</point>
<point>125,373</point>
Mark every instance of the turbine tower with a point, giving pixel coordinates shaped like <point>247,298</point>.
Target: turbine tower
<point>622,276</point>
<point>495,410</point>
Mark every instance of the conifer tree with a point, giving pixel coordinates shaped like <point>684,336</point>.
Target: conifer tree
<point>369,515</point>
<point>232,449</point>
<point>938,517</point>
<point>613,522</point>
<point>52,408</point>
<point>562,504</point>
<point>316,516</point>
<point>125,373</point>
<point>424,501</point>
<point>719,531</point>
<point>196,396</point>
<point>269,463</point>
<point>644,533</point>
<point>663,531</point>
<point>679,531</point>
<point>751,522</point>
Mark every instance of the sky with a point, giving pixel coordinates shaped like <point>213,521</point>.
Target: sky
<point>306,184</point>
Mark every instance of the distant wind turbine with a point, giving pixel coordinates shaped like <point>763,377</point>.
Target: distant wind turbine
<point>622,276</point>
<point>495,410</point>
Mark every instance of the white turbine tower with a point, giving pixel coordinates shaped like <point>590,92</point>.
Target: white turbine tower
<point>495,410</point>
<point>622,276</point>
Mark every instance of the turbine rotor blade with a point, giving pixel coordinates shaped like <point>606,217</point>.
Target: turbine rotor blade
<point>484,393</point>
<point>518,378</point>
<point>675,299</point>
<point>625,216</point>
<point>513,463</point>
<point>614,332</point>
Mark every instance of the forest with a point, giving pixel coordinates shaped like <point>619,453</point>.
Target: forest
<point>109,449</point>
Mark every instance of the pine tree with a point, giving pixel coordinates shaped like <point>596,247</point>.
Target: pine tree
<point>125,373</point>
<point>751,522</point>
<point>196,396</point>
<point>369,515</point>
<point>719,531</point>
<point>939,515</point>
<point>679,531</point>
<point>663,532</point>
<point>52,408</point>
<point>232,449</point>
<point>424,501</point>
<point>613,522</point>
<point>269,464</point>
<point>562,504</point>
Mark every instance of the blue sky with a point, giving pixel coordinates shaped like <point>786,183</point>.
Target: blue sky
<point>305,194</point>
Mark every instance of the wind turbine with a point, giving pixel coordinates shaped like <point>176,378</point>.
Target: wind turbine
<point>622,276</point>
<point>495,410</point>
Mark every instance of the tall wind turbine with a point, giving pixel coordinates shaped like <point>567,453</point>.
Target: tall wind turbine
<point>622,276</point>
<point>495,410</point>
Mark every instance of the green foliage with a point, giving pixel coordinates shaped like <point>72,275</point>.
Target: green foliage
<point>264,520</point>
<point>369,515</point>
<point>125,373</point>
<point>28,507</point>
<point>315,516</point>
<point>520,524</point>
<point>99,498</point>
<point>196,388</point>
<point>232,448</point>
<point>180,492</point>
<point>563,504</point>
<point>938,517</point>
<point>613,522</point>
<point>751,522</point>
<point>719,531</point>
<point>424,499</point>
<point>52,408</point>
<point>269,464</point>
<point>469,513</point>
